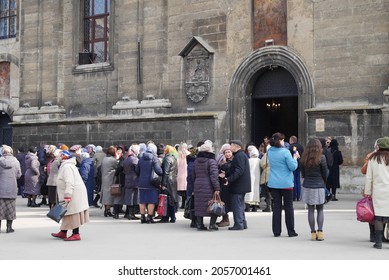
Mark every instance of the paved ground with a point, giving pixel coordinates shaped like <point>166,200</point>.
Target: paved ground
<point>109,239</point>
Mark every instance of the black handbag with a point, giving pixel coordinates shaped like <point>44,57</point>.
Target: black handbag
<point>189,208</point>
<point>57,212</point>
<point>155,180</point>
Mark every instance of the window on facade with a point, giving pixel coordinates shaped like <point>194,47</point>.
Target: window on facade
<point>96,31</point>
<point>7,19</point>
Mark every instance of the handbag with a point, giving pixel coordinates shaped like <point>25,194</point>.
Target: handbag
<point>116,189</point>
<point>57,212</point>
<point>216,206</point>
<point>365,210</point>
<point>189,208</point>
<point>155,180</point>
<point>162,205</point>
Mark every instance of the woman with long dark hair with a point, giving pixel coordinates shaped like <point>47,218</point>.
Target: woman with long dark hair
<point>314,171</point>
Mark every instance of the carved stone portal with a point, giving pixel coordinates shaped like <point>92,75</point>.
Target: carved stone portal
<point>197,67</point>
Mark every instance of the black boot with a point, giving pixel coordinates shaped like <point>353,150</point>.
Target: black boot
<point>131,214</point>
<point>268,205</point>
<point>29,201</point>
<point>10,229</point>
<point>200,223</point>
<point>95,204</point>
<point>193,223</point>
<point>378,239</point>
<point>143,219</point>
<point>43,202</point>
<point>150,219</point>
<point>116,211</point>
<point>33,203</point>
<point>372,233</point>
<point>107,212</point>
<point>0,226</point>
<point>212,224</point>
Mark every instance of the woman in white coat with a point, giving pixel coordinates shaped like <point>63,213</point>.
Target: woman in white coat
<point>252,198</point>
<point>377,187</point>
<point>72,190</point>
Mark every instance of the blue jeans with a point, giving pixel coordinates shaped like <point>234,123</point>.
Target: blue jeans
<point>238,207</point>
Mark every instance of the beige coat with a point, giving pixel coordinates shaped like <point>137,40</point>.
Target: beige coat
<point>265,169</point>
<point>70,184</point>
<point>377,185</point>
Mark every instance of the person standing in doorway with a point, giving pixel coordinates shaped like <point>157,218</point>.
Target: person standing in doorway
<point>333,181</point>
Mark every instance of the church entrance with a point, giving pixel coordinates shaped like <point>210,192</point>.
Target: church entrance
<point>5,129</point>
<point>274,104</point>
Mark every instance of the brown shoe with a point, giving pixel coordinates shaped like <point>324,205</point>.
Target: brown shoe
<point>225,222</point>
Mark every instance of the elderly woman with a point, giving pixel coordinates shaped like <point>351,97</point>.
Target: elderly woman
<point>169,182</point>
<point>71,189</point>
<point>52,173</point>
<point>9,173</point>
<point>108,171</point>
<point>252,198</point>
<point>206,184</point>
<point>32,187</point>
<point>148,194</point>
<point>87,172</point>
<point>130,198</point>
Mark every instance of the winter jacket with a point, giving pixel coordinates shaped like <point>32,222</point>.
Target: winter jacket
<point>9,173</point>
<point>282,165</point>
<point>31,177</point>
<point>206,181</point>
<point>148,163</point>
<point>169,175</point>
<point>129,166</point>
<point>238,176</point>
<point>315,176</point>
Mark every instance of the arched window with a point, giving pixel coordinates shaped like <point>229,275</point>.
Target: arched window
<point>96,31</point>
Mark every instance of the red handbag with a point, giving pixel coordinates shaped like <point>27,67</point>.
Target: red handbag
<point>365,210</point>
<point>162,205</point>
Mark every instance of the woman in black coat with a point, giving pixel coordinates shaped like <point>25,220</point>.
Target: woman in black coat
<point>206,184</point>
<point>333,181</point>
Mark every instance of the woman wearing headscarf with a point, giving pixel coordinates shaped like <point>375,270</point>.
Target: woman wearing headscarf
<point>72,190</point>
<point>32,187</point>
<point>108,171</point>
<point>252,198</point>
<point>52,174</point>
<point>206,184</point>
<point>169,182</point>
<point>148,194</point>
<point>224,160</point>
<point>182,173</point>
<point>377,187</point>
<point>9,173</point>
<point>130,198</point>
<point>87,172</point>
<point>333,180</point>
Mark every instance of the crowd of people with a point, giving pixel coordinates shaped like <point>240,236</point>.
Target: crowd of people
<point>276,171</point>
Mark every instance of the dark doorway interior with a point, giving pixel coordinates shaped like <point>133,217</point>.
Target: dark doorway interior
<point>267,121</point>
<point>274,85</point>
<point>5,129</point>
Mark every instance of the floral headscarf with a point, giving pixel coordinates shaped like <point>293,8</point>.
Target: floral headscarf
<point>170,150</point>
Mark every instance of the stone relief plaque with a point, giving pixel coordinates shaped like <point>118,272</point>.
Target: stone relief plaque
<point>197,80</point>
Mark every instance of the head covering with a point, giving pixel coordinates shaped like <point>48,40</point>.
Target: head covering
<point>93,147</point>
<point>63,147</point>
<point>57,153</point>
<point>253,151</point>
<point>383,143</point>
<point>151,148</point>
<point>237,142</point>
<point>51,149</point>
<point>65,155</point>
<point>170,150</point>
<point>7,150</point>
<point>206,147</point>
<point>84,155</point>
<point>75,148</point>
<point>142,148</point>
<point>99,149</point>
<point>134,149</point>
<point>224,148</point>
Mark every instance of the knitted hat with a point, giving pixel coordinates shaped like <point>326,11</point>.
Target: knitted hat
<point>206,147</point>
<point>383,143</point>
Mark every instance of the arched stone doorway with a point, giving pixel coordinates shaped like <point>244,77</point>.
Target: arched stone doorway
<point>242,89</point>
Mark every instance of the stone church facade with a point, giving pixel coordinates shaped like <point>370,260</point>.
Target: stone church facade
<point>116,72</point>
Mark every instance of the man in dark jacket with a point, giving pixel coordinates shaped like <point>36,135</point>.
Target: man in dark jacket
<point>239,183</point>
